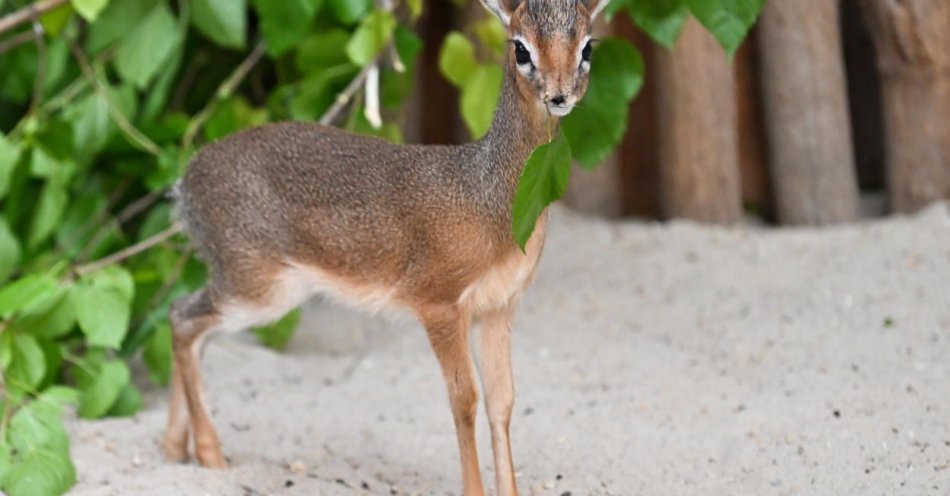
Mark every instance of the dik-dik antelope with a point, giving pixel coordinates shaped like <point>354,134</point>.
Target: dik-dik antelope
<point>285,211</point>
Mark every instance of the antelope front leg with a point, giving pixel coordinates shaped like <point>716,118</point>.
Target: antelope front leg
<point>494,356</point>
<point>447,328</point>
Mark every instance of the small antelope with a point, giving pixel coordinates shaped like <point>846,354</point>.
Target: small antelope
<point>288,210</point>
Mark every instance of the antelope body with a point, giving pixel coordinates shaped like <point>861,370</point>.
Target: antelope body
<point>285,211</point>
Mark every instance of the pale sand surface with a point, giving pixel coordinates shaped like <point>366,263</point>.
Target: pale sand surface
<point>650,359</point>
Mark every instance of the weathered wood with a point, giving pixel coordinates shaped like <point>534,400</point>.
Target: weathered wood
<point>806,107</point>
<point>698,138</point>
<point>912,38</point>
<point>639,152</point>
<point>753,149</point>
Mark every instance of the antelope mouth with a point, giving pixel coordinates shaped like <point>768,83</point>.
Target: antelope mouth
<point>560,110</point>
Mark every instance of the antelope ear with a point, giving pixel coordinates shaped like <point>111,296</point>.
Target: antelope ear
<point>503,9</point>
<point>595,7</point>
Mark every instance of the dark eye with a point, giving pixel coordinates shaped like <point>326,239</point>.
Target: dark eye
<point>585,53</point>
<point>522,56</point>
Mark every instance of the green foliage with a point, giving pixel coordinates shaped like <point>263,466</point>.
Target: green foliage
<point>224,21</point>
<point>278,334</point>
<point>543,181</point>
<point>373,33</point>
<point>283,23</point>
<point>479,82</point>
<point>596,127</point>
<point>728,20</point>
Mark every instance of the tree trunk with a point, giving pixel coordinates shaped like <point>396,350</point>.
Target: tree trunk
<point>912,38</point>
<point>699,158</point>
<point>753,146</point>
<point>806,104</point>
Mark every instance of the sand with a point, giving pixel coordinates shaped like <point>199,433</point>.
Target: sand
<point>650,359</point>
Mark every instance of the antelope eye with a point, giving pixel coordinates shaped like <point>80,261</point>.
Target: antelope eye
<point>585,53</point>
<point>522,56</point>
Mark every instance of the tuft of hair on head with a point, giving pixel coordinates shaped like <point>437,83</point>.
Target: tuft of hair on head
<point>504,9</point>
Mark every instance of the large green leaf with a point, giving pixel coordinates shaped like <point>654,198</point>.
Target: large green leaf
<point>543,180</point>
<point>51,320</point>
<point>9,156</point>
<point>28,365</point>
<point>103,305</point>
<point>596,127</point>
<point>99,396</point>
<point>728,20</point>
<point>223,21</point>
<point>278,335</point>
<point>374,31</point>
<point>9,251</point>
<point>479,98</point>
<point>93,123</point>
<point>52,203</point>
<point>89,9</point>
<point>349,11</point>
<point>118,19</point>
<point>46,472</point>
<point>128,403</point>
<point>457,58</point>
<point>37,425</point>
<point>663,20</point>
<point>322,50</point>
<point>157,354</point>
<point>25,293</point>
<point>284,22</point>
<point>146,49</point>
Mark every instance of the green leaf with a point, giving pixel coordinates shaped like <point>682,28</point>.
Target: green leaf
<point>25,293</point>
<point>53,320</point>
<point>93,123</point>
<point>596,127</point>
<point>102,394</point>
<point>157,354</point>
<point>662,20</point>
<point>349,11</point>
<point>52,203</point>
<point>543,180</point>
<point>415,9</point>
<point>284,22</point>
<point>223,21</point>
<point>374,31</point>
<point>9,157</point>
<point>128,403</point>
<point>728,20</point>
<point>322,50</point>
<point>54,20</point>
<point>278,335</point>
<point>232,115</point>
<point>118,19</point>
<point>491,33</point>
<point>89,9</point>
<point>479,98</point>
<point>40,472</point>
<point>457,59</point>
<point>42,164</point>
<point>28,365</point>
<point>103,305</point>
<point>9,251</point>
<point>146,49</point>
<point>38,425</point>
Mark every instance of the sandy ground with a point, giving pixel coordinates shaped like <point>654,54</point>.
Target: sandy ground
<point>650,360</point>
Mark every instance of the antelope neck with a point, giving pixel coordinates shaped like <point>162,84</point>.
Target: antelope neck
<point>518,127</point>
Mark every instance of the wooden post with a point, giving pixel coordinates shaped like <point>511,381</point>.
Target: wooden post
<point>806,107</point>
<point>699,157</point>
<point>912,38</point>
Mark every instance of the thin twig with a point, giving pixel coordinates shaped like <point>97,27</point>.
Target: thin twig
<point>224,91</point>
<point>345,96</point>
<point>26,13</point>
<point>40,63</point>
<point>131,132</point>
<point>128,252</point>
<point>15,41</point>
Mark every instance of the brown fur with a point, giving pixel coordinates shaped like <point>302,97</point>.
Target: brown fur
<point>290,209</point>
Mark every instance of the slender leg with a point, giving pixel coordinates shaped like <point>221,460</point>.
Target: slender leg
<point>494,357</point>
<point>447,328</point>
<point>176,433</point>
<point>192,319</point>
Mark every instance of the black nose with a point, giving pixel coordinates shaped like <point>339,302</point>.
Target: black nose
<point>558,100</point>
